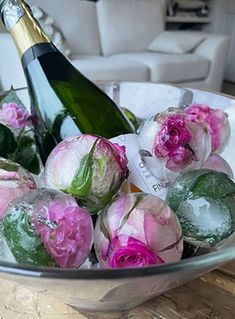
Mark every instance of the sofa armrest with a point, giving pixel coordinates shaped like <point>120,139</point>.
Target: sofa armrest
<point>215,49</point>
<point>11,71</point>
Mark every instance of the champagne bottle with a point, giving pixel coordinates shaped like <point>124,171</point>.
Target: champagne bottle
<point>63,101</point>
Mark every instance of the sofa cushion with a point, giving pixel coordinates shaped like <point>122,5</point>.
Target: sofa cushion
<point>129,25</point>
<point>78,21</point>
<point>51,29</point>
<point>111,69</point>
<point>171,67</point>
<point>176,42</point>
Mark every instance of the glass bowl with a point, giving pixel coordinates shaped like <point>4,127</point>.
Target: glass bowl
<point>116,290</point>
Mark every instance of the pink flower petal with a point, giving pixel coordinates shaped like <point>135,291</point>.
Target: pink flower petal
<point>14,115</point>
<point>125,252</point>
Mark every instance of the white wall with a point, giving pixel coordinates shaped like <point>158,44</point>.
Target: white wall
<point>223,22</point>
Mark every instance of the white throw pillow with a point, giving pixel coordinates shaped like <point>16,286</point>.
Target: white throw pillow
<point>53,32</point>
<point>176,42</point>
<point>78,21</point>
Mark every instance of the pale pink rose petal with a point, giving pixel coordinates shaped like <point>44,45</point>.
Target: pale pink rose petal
<point>215,120</point>
<point>13,184</point>
<point>69,241</point>
<point>15,115</point>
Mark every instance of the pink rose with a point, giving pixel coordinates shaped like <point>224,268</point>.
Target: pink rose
<point>216,122</point>
<point>14,182</point>
<point>66,232</point>
<point>120,153</point>
<point>125,252</point>
<point>172,142</point>
<point>174,133</point>
<point>137,230</point>
<point>88,167</point>
<point>14,115</point>
<point>180,159</point>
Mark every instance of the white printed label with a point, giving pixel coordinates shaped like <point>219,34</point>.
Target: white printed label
<point>140,176</point>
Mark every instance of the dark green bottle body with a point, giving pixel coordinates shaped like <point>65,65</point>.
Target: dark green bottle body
<point>65,103</point>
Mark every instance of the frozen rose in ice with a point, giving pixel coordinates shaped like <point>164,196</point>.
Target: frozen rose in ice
<point>126,251</point>
<point>137,230</point>
<point>14,115</point>
<point>171,143</point>
<point>69,238</point>
<point>180,159</point>
<point>47,227</point>
<point>216,162</point>
<point>88,167</point>
<point>14,182</point>
<point>16,131</point>
<point>204,202</point>
<point>216,121</point>
<point>173,134</point>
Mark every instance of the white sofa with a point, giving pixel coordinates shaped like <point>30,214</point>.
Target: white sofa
<point>109,41</point>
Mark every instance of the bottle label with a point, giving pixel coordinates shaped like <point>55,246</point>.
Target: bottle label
<point>140,179</point>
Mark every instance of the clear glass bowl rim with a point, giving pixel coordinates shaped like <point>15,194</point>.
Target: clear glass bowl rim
<point>216,257</point>
<point>221,256</point>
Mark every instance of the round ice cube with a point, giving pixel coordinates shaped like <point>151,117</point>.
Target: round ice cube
<point>137,230</point>
<point>46,227</point>
<point>204,201</point>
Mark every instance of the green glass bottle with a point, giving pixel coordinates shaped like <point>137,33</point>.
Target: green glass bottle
<point>63,101</point>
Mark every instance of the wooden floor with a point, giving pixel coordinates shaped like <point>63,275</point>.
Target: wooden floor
<point>212,296</point>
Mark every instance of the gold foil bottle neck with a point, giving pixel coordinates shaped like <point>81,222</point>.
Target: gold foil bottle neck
<point>27,32</point>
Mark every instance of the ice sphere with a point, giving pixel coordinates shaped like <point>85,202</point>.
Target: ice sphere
<point>216,162</point>
<point>205,219</point>
<point>14,182</point>
<point>170,144</point>
<point>46,227</point>
<point>88,167</point>
<point>137,230</point>
<point>204,201</point>
<point>215,120</point>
